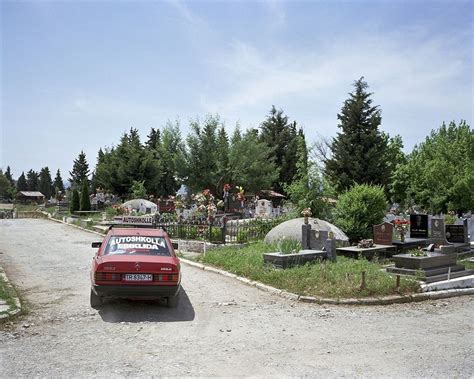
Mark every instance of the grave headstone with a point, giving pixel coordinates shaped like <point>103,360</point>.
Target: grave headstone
<point>305,236</point>
<point>471,228</point>
<point>438,231</point>
<point>264,208</point>
<point>457,233</point>
<point>317,239</point>
<point>383,234</point>
<point>418,226</point>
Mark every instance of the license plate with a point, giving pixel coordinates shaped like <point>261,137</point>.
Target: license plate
<point>138,277</point>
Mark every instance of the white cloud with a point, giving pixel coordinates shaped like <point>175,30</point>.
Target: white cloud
<point>405,75</point>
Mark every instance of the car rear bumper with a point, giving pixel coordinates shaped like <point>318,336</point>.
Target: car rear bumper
<point>136,291</point>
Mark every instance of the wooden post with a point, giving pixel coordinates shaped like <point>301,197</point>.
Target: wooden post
<point>397,287</point>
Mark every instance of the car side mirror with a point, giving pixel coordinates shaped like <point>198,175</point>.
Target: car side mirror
<point>96,244</point>
<point>175,245</point>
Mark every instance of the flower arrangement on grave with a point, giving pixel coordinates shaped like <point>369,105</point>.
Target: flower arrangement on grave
<point>220,204</point>
<point>306,213</point>
<point>365,244</point>
<point>401,226</point>
<point>418,253</point>
<point>241,193</point>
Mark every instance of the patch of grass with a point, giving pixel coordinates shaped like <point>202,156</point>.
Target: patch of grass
<point>467,264</point>
<point>7,293</point>
<point>339,279</point>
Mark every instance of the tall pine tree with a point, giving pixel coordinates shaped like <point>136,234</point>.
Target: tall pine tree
<point>58,182</point>
<point>9,177</point>
<point>45,184</point>
<point>80,170</point>
<point>21,184</point>
<point>32,180</point>
<point>359,150</point>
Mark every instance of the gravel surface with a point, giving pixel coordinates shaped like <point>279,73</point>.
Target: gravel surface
<point>220,328</point>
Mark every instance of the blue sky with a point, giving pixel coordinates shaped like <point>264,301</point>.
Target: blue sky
<point>76,75</point>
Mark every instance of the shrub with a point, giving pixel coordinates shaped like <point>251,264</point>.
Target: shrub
<point>242,236</point>
<point>289,246</point>
<point>75,203</point>
<point>358,209</point>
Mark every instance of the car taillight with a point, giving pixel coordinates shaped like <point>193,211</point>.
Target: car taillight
<point>104,276</point>
<point>165,277</point>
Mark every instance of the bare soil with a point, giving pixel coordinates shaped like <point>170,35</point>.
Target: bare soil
<point>220,328</point>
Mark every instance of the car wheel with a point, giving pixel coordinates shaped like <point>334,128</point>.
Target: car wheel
<point>96,301</point>
<point>173,301</point>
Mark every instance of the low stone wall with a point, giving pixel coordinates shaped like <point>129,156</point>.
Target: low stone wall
<point>31,214</point>
<point>198,246</point>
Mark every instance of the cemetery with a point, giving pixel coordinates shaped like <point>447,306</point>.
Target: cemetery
<point>420,248</point>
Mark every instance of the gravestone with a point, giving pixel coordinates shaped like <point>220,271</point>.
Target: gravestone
<point>418,226</point>
<point>438,231</point>
<point>317,239</point>
<point>457,233</point>
<point>383,234</point>
<point>264,208</point>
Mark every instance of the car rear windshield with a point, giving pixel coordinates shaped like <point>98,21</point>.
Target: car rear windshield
<point>139,245</point>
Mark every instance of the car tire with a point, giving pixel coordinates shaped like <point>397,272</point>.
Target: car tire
<point>96,301</point>
<point>172,301</point>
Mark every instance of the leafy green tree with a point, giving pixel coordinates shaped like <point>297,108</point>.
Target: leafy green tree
<point>75,201</point>
<point>45,184</point>
<point>7,190</point>
<point>32,180</point>
<point>223,147</point>
<point>80,170</point>
<point>172,152</point>
<point>251,163</point>
<point>58,182</point>
<point>201,156</point>
<point>130,161</point>
<point>359,150</point>
<point>21,184</point>
<point>308,188</point>
<point>281,136</point>
<point>9,177</point>
<point>359,209</point>
<point>439,173</point>
<point>138,190</point>
<point>85,201</point>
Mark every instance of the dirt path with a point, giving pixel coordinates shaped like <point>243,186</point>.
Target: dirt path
<point>221,327</point>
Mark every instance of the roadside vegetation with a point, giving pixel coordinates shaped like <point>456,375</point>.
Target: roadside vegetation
<point>340,279</point>
<point>7,294</point>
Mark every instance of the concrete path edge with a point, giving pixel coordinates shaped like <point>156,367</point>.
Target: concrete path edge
<point>385,300</point>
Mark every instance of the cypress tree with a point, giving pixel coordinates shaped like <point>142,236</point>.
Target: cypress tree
<point>359,150</point>
<point>75,202</point>
<point>85,200</point>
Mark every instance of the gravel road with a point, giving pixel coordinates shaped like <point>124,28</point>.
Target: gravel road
<point>220,328</point>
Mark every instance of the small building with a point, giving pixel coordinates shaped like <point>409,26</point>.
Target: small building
<point>30,197</point>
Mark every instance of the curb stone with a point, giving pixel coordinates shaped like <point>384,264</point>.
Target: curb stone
<point>386,300</point>
<point>12,311</point>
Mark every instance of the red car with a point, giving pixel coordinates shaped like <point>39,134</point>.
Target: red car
<point>135,263</point>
